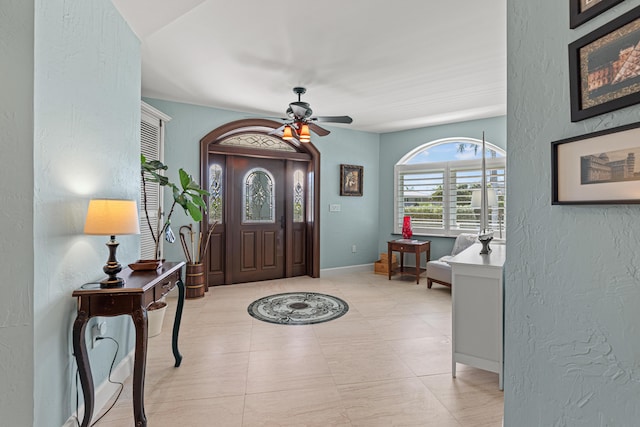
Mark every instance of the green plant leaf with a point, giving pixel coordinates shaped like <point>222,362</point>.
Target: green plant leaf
<point>198,201</point>
<point>161,179</point>
<point>182,200</point>
<point>153,165</point>
<point>176,192</point>
<point>194,211</point>
<point>185,179</point>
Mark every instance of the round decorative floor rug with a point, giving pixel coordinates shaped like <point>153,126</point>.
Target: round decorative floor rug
<point>298,308</point>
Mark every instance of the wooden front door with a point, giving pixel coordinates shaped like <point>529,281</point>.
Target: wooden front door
<point>264,201</point>
<point>257,220</point>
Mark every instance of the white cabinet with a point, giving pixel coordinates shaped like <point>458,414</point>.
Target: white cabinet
<point>477,309</point>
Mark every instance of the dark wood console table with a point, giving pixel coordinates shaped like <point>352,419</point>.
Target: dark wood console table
<point>410,246</point>
<point>141,288</point>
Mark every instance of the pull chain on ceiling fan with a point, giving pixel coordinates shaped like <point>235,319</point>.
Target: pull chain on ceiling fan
<point>301,121</point>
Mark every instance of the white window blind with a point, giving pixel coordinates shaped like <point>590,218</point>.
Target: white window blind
<point>152,147</point>
<point>421,197</point>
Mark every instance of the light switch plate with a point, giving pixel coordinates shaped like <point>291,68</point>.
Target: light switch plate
<point>334,208</point>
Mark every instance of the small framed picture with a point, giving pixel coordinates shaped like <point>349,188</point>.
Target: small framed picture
<point>603,72</point>
<point>580,11</point>
<point>351,180</point>
<point>598,168</point>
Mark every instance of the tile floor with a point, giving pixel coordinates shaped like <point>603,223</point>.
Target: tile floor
<point>387,362</point>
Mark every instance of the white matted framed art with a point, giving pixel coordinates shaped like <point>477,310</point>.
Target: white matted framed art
<point>597,168</point>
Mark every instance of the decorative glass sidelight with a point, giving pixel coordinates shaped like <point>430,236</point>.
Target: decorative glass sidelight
<point>298,196</point>
<point>259,197</point>
<point>215,190</point>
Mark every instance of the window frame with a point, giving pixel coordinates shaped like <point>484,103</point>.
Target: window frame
<point>446,168</point>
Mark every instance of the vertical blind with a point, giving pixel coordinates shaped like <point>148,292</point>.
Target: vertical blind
<point>151,148</point>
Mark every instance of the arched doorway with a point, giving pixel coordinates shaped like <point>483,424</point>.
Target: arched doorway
<point>264,201</point>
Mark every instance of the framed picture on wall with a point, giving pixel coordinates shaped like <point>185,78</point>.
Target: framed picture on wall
<point>604,68</point>
<point>351,178</point>
<point>598,168</point>
<point>580,11</point>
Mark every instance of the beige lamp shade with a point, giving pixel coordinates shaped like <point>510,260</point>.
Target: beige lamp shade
<point>476,197</point>
<point>287,135</point>
<point>109,217</point>
<point>305,136</point>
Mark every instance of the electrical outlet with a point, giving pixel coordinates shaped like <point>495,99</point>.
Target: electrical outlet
<point>334,207</point>
<point>353,249</point>
<point>98,330</point>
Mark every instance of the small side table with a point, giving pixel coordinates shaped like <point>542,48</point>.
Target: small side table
<point>409,246</point>
<point>141,288</point>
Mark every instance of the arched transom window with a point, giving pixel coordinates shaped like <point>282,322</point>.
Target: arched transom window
<point>438,186</point>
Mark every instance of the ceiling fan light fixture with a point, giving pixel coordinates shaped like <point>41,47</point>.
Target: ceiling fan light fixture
<point>287,135</point>
<point>305,136</point>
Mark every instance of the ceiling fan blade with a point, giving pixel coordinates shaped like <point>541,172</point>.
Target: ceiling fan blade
<point>333,119</point>
<point>278,131</point>
<point>318,130</point>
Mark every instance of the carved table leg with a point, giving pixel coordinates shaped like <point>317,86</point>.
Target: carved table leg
<point>417,265</point>
<point>389,255</point>
<point>82,360</point>
<point>176,322</point>
<point>139,365</point>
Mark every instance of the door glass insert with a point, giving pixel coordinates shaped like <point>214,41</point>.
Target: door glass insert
<point>298,196</point>
<point>257,140</point>
<point>259,197</point>
<point>215,190</point>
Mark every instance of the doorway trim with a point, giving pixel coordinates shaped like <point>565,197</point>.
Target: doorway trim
<point>308,151</point>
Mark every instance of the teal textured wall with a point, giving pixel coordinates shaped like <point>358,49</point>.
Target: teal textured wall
<point>572,282</point>
<point>357,223</point>
<point>86,145</point>
<point>16,213</point>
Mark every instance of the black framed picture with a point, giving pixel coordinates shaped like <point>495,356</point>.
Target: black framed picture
<point>598,168</point>
<point>604,68</point>
<point>580,11</point>
<point>351,178</point>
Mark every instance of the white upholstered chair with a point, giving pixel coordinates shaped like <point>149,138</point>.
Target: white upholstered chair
<point>439,271</point>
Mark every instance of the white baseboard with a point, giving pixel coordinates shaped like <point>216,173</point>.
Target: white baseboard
<point>105,391</point>
<point>328,272</point>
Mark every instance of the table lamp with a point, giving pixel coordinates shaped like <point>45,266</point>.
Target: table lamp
<point>109,217</point>
<point>476,198</point>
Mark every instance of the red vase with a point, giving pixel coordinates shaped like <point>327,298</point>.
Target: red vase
<point>406,228</point>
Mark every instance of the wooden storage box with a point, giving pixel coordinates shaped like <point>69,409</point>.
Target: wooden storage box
<point>382,267</point>
<point>384,258</point>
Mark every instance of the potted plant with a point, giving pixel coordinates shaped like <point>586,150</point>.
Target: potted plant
<point>195,277</point>
<point>188,195</point>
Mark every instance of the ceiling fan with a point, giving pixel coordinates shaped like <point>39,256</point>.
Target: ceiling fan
<point>300,120</point>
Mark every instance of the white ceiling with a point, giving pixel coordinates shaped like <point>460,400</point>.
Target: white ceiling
<point>391,65</point>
